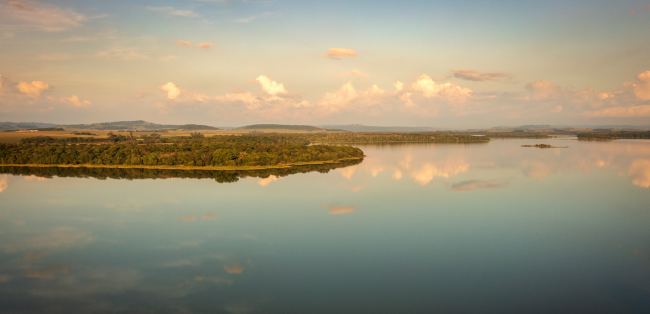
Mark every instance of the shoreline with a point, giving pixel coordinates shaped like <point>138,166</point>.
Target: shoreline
<point>162,167</point>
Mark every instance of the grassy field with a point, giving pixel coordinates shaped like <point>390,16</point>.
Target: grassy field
<point>15,137</point>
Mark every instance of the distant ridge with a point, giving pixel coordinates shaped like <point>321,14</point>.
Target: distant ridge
<point>368,128</point>
<point>24,125</point>
<point>282,127</point>
<point>140,125</point>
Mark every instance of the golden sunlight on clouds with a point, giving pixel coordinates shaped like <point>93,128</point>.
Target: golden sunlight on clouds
<point>188,218</point>
<point>183,43</point>
<point>640,171</point>
<point>338,52</point>
<point>172,90</point>
<point>75,102</point>
<point>337,210</point>
<point>234,268</point>
<point>34,15</point>
<point>205,45</point>
<point>271,87</point>
<point>33,89</point>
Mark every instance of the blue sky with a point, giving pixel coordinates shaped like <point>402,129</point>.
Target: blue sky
<point>430,63</point>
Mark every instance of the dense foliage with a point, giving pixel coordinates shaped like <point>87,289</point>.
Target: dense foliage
<point>514,134</point>
<point>614,135</point>
<point>394,137</point>
<point>221,176</point>
<point>195,153</point>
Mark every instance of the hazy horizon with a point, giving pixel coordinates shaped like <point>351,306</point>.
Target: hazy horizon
<point>409,63</point>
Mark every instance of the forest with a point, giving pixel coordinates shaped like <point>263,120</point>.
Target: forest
<point>611,135</point>
<point>221,176</point>
<point>394,138</point>
<point>222,151</point>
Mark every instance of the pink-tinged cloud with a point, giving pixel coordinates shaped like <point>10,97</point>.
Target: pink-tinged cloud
<point>33,89</point>
<point>337,210</point>
<point>473,75</point>
<point>183,43</point>
<point>209,217</point>
<point>205,45</point>
<point>339,52</point>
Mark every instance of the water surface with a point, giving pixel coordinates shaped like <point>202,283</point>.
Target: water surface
<point>415,228</point>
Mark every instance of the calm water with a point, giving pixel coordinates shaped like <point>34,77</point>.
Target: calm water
<point>414,228</point>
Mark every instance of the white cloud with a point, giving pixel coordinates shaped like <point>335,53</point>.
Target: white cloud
<point>271,87</point>
<point>76,102</point>
<point>447,91</point>
<point>642,87</point>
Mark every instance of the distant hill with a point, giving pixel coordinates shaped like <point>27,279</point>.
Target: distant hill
<point>140,125</point>
<point>25,125</point>
<point>367,128</point>
<point>281,127</point>
<point>545,126</point>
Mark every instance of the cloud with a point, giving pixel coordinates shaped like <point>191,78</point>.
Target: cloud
<point>351,73</point>
<point>39,16</point>
<point>172,90</point>
<point>447,91</point>
<point>642,87</point>
<point>124,54</point>
<point>271,87</point>
<point>640,170</point>
<point>33,89</point>
<point>233,268</point>
<point>75,102</point>
<point>466,186</point>
<point>621,111</point>
<point>183,43</point>
<point>543,89</point>
<point>267,181</point>
<point>446,169</point>
<point>49,273</point>
<point>172,11</point>
<point>473,75</point>
<point>57,239</point>
<point>188,218</point>
<point>245,20</point>
<point>347,172</point>
<point>209,217</point>
<point>205,45</point>
<point>337,210</point>
<point>4,183</point>
<point>338,52</point>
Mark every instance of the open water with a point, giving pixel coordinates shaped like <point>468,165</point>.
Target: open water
<point>414,228</point>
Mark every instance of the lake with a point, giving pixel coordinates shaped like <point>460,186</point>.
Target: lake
<point>414,228</point>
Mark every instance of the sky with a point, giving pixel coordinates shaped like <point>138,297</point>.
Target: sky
<point>447,64</point>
